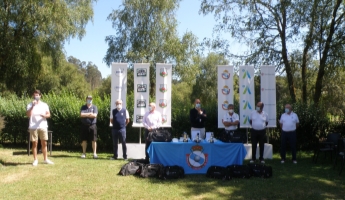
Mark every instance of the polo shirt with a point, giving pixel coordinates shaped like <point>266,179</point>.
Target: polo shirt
<point>289,121</point>
<point>152,119</point>
<point>259,120</point>
<point>231,118</point>
<point>36,120</point>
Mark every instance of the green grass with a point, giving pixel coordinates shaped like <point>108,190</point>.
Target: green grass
<point>75,178</point>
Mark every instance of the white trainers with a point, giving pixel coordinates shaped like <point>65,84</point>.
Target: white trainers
<point>251,161</point>
<point>262,162</point>
<point>35,163</point>
<point>83,155</point>
<point>282,161</point>
<point>294,162</point>
<point>48,162</point>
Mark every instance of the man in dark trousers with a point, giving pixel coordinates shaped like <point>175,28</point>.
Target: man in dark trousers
<point>197,117</point>
<point>119,118</point>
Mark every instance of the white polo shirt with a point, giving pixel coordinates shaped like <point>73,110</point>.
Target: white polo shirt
<point>289,121</point>
<point>259,120</point>
<point>231,118</point>
<point>36,120</point>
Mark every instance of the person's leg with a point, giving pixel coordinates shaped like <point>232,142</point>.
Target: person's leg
<point>34,139</point>
<point>283,146</point>
<point>147,144</point>
<point>84,145</point>
<point>43,135</point>
<point>254,143</point>
<point>262,138</point>
<point>115,141</point>
<point>83,139</point>
<point>94,148</point>
<point>123,141</point>
<point>293,145</point>
<point>93,131</point>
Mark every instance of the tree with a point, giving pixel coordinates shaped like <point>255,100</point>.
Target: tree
<point>146,32</point>
<point>32,29</point>
<point>270,29</point>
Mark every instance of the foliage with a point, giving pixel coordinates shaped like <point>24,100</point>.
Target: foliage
<point>30,30</point>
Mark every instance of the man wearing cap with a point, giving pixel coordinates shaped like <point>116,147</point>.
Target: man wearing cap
<point>119,118</point>
<point>88,114</point>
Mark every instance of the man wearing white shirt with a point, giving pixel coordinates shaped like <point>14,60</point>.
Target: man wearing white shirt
<point>288,123</point>
<point>259,121</point>
<point>38,112</point>
<point>152,120</point>
<point>230,119</point>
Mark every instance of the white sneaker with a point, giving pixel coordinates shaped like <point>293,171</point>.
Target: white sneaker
<point>251,161</point>
<point>48,162</point>
<point>83,155</point>
<point>282,161</point>
<point>35,163</point>
<point>262,162</point>
<point>294,162</point>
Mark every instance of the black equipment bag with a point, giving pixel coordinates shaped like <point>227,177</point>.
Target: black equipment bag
<point>238,137</point>
<point>151,170</point>
<point>238,171</point>
<point>172,172</point>
<point>159,135</point>
<point>131,168</point>
<point>260,170</point>
<point>225,136</point>
<point>217,172</point>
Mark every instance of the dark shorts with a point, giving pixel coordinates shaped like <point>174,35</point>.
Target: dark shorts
<point>88,133</point>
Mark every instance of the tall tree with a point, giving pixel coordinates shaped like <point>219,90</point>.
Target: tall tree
<point>32,29</point>
<point>146,32</point>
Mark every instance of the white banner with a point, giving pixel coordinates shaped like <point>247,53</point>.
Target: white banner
<point>163,92</point>
<point>225,90</point>
<point>268,93</point>
<point>118,84</point>
<point>247,94</point>
<point>141,92</point>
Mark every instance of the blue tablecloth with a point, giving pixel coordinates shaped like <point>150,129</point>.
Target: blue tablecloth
<point>196,158</point>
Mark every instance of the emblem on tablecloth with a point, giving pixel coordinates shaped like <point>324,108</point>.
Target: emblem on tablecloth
<point>197,159</point>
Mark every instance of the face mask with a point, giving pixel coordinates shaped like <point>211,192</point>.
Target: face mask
<point>89,101</point>
<point>231,111</point>
<point>150,108</point>
<point>257,108</point>
<point>287,110</point>
<point>119,106</point>
<point>37,98</point>
<point>197,105</point>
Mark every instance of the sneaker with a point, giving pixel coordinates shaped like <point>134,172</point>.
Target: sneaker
<point>294,162</point>
<point>48,162</point>
<point>262,162</point>
<point>83,155</point>
<point>35,163</point>
<point>282,161</point>
<point>251,161</point>
<point>95,156</point>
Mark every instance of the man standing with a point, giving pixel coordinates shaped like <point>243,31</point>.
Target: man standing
<point>152,120</point>
<point>38,112</point>
<point>197,117</point>
<point>88,114</point>
<point>231,119</point>
<point>119,118</point>
<point>288,123</point>
<point>259,121</point>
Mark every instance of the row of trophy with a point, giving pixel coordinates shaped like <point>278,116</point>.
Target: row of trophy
<point>197,139</point>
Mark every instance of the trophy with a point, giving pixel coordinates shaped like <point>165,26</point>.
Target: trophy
<point>185,139</point>
<point>211,138</point>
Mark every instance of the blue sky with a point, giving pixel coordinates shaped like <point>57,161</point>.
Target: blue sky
<point>93,48</point>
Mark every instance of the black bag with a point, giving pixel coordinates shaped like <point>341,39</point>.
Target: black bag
<point>238,171</point>
<point>217,172</point>
<point>226,136</point>
<point>172,172</point>
<point>159,135</point>
<point>260,170</point>
<point>151,170</point>
<point>131,168</point>
<point>238,137</point>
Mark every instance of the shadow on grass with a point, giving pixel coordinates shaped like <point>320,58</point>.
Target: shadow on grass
<point>19,153</point>
<point>6,164</point>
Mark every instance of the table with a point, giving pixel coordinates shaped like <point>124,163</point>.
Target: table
<point>194,157</point>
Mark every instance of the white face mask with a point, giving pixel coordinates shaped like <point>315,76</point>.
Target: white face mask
<point>197,105</point>
<point>89,101</point>
<point>150,108</point>
<point>119,106</point>
<point>257,108</point>
<point>231,111</point>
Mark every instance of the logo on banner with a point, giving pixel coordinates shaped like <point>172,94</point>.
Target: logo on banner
<point>119,72</point>
<point>139,118</point>
<point>246,119</point>
<point>118,88</point>
<point>246,105</point>
<point>246,89</point>
<point>163,88</point>
<point>226,90</point>
<point>163,72</point>
<point>141,103</point>
<point>225,105</point>
<point>163,103</point>
<point>141,87</point>
<point>164,119</point>
<point>141,72</point>
<point>197,159</point>
<point>245,74</point>
<point>225,74</point>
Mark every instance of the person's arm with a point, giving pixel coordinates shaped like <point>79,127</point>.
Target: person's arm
<point>29,109</point>
<point>236,120</point>
<point>297,123</point>
<point>266,119</point>
<point>159,120</point>
<point>203,114</point>
<point>127,117</point>
<point>193,116</point>
<point>144,121</point>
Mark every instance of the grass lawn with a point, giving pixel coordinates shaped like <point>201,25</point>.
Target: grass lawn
<point>74,178</point>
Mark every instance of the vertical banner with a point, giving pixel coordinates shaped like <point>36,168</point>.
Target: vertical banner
<point>225,90</point>
<point>141,92</point>
<point>163,92</point>
<point>268,93</point>
<point>118,84</point>
<point>247,96</point>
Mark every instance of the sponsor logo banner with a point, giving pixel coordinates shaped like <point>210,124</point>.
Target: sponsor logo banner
<point>163,92</point>
<point>141,92</point>
<point>268,93</point>
<point>247,96</point>
<point>118,84</point>
<point>225,90</point>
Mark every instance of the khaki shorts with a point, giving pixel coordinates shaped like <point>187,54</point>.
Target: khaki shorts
<point>41,133</point>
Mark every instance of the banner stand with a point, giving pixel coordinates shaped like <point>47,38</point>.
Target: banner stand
<point>247,134</point>
<point>268,135</point>
<point>140,135</point>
